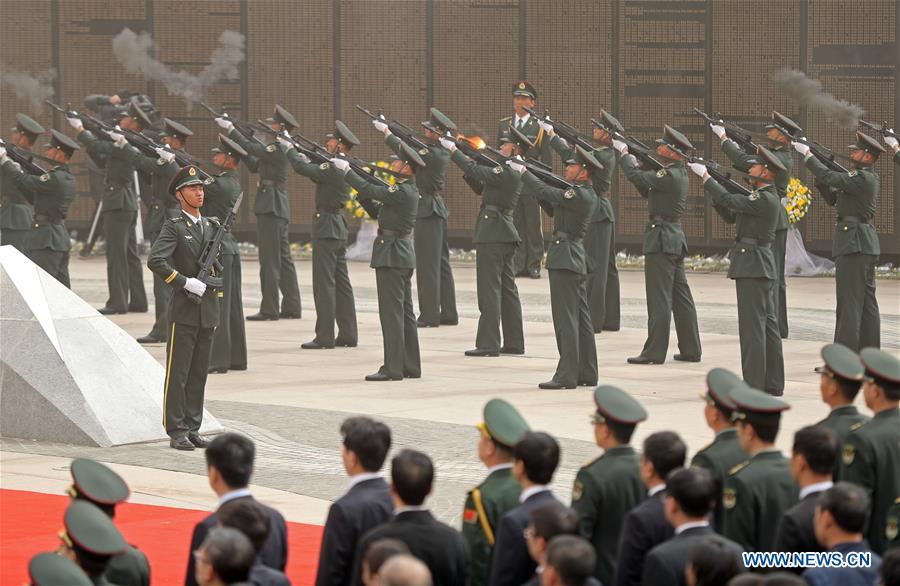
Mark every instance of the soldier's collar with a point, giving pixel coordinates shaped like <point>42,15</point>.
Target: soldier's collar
<point>766,453</point>
<point>728,430</point>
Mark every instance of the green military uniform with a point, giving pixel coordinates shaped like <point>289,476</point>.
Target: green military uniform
<point>273,214</point>
<point>755,275</point>
<point>52,193</point>
<point>610,486</point>
<point>394,259</point>
<point>725,452</point>
<point>52,569</point>
<point>15,213</point>
<point>175,256</point>
<point>495,242</point>
<point>871,452</point>
<point>668,292</point>
<point>497,494</point>
<point>332,290</point>
<point>759,490</point>
<point>90,532</point>
<point>855,248</point>
<point>229,347</point>
<point>567,265</point>
<point>527,213</point>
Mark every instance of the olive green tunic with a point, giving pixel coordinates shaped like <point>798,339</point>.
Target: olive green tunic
<point>723,454</point>
<point>15,214</point>
<point>485,506</point>
<point>840,420</point>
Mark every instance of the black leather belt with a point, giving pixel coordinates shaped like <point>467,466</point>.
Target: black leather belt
<point>566,237</point>
<point>671,219</point>
<point>755,242</point>
<point>328,210</point>
<point>853,219</point>
<point>394,234</point>
<point>499,210</point>
<point>42,219</point>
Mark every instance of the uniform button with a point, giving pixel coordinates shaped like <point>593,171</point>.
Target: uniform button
<point>743,250</point>
<point>317,215</point>
<point>381,241</point>
<point>485,217</point>
<point>653,225</point>
<point>557,241</point>
<point>845,228</point>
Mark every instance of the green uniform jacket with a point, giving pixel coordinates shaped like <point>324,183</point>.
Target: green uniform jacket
<point>429,179</point>
<point>15,213</point>
<point>605,490</point>
<point>332,192</point>
<point>853,194</point>
<point>485,506</point>
<point>535,134</point>
<point>129,568</point>
<point>397,213</point>
<point>52,194</point>
<point>271,197</point>
<point>756,216</point>
<point>841,419</point>
<point>601,179</point>
<point>572,209</point>
<point>897,158</point>
<point>500,196</point>
<point>220,193</point>
<point>666,193</point>
<point>757,493</point>
<point>870,459</point>
<point>741,161</point>
<point>174,257</point>
<point>723,454</point>
<point>121,162</point>
<point>165,205</point>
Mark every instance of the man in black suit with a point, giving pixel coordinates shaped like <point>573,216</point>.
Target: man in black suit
<point>248,517</point>
<point>547,521</point>
<point>366,505</point>
<point>570,562</point>
<point>690,494</point>
<point>645,526</point>
<point>441,547</point>
<point>535,459</point>
<point>812,466</point>
<point>229,465</point>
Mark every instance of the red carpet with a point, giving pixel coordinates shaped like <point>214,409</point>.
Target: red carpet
<point>30,521</point>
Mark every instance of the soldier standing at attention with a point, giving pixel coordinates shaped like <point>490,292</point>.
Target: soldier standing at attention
<point>841,378</point>
<point>527,216</point>
<point>495,241</point>
<point>273,214</point>
<point>52,193</point>
<point>754,269</point>
<point>498,494</point>
<point>668,292</point>
<point>394,259</point>
<point>15,213</point>
<point>332,291</point>
<point>175,256</point>
<point>229,347</point>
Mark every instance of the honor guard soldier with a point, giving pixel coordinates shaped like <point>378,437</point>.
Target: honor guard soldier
<point>15,213</point>
<point>496,239</point>
<point>841,378</point>
<point>754,269</point>
<point>610,486</point>
<point>668,292</point>
<point>98,484</point>
<point>229,347</point>
<point>527,217</point>
<point>332,291</point>
<point>273,214</point>
<point>779,134</point>
<point>434,278</point>
<point>572,209</point>
<point>498,494</point>
<point>757,491</point>
<point>52,569</point>
<point>124,273</point>
<point>52,193</point>
<point>394,259</point>
<point>175,256</point>
<point>725,451</point>
<point>90,539</point>
<point>871,452</point>
<point>855,246</point>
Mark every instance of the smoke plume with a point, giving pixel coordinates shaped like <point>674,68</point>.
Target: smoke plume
<point>32,87</point>
<point>809,94</point>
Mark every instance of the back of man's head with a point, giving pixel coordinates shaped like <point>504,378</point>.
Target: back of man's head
<point>554,519</point>
<point>539,454</point>
<point>848,504</point>
<point>370,440</point>
<point>693,489</point>
<point>666,451</point>
<point>712,562</point>
<point>230,554</point>
<point>412,474</point>
<point>572,559</point>
<point>818,446</point>
<point>232,455</point>
<point>380,551</point>
<point>404,570</point>
<point>248,517</point>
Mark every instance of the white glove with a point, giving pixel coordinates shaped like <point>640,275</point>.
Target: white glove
<point>380,126</point>
<point>620,146</point>
<point>224,123</point>
<point>2,154</point>
<point>116,136</point>
<point>341,164</point>
<point>448,144</point>
<point>195,286</point>
<point>284,142</point>
<point>165,154</point>
<point>546,127</point>
<point>801,148</point>
<point>699,169</point>
<point>303,157</point>
<point>75,123</point>
<point>718,130</point>
<point>891,142</point>
<point>516,166</point>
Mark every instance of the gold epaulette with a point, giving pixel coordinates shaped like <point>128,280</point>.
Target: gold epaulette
<point>737,468</point>
<point>859,424</point>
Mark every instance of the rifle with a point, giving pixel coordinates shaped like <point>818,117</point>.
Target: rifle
<point>244,128</point>
<point>98,127</point>
<point>825,155</point>
<point>743,137</point>
<point>23,158</point>
<point>403,132</point>
<point>565,131</point>
<point>884,130</point>
<point>148,147</point>
<point>209,258</point>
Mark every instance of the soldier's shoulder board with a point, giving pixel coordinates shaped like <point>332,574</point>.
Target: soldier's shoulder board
<point>661,173</point>
<point>507,119</point>
<point>497,170</point>
<point>859,424</point>
<point>45,177</point>
<point>737,468</point>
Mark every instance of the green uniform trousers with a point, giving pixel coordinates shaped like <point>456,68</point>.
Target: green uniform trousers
<point>498,298</point>
<point>15,238</point>
<point>779,249</point>
<point>574,330</point>
<point>858,322</point>
<point>162,296</point>
<point>762,362</point>
<point>603,281</point>
<point>398,323</point>
<point>434,278</point>
<point>276,267</point>
<point>124,271</point>
<point>229,346</point>
<point>332,292</point>
<point>187,365</point>
<point>527,220</point>
<point>54,262</point>
<point>668,295</point>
